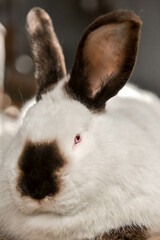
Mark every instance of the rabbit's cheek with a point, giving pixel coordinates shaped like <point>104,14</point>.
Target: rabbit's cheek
<point>40,165</point>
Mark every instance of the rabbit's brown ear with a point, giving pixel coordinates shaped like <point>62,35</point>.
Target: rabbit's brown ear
<point>105,58</point>
<point>47,52</point>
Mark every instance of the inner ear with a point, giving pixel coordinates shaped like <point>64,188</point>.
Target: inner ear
<point>105,57</point>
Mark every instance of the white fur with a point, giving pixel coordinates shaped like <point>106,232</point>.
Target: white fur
<point>112,177</point>
<point>9,126</point>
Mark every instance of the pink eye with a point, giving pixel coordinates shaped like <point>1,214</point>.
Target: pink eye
<point>77,139</point>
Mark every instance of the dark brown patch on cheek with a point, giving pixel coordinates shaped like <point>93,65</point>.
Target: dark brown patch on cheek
<point>39,165</point>
<point>125,233</point>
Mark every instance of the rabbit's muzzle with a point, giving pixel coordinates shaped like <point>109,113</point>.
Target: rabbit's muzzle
<point>39,166</point>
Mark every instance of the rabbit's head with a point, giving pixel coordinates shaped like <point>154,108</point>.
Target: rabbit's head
<point>55,162</point>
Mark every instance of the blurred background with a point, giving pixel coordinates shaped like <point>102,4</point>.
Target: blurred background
<point>70,19</point>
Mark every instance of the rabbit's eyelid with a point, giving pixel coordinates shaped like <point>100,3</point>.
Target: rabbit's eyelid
<point>77,139</point>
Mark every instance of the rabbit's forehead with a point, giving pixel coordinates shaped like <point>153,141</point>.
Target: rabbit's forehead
<point>49,120</point>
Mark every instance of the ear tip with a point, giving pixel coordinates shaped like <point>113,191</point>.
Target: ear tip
<point>34,16</point>
<point>117,16</point>
<point>37,14</point>
<point>130,15</point>
<point>35,11</point>
<point>32,13</point>
<point>127,15</point>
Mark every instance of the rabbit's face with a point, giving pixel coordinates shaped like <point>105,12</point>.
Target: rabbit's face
<point>55,162</point>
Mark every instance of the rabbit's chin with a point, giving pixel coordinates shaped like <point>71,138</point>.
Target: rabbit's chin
<point>48,206</point>
<point>60,205</point>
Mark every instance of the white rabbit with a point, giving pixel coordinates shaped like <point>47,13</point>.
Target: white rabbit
<point>76,169</point>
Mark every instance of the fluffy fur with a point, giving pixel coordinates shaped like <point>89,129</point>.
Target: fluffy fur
<point>115,184</point>
<point>111,178</point>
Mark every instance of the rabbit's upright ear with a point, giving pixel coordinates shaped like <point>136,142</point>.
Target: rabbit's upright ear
<point>105,58</point>
<point>47,52</point>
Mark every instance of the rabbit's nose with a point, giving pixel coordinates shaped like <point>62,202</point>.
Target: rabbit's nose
<point>37,188</point>
<point>39,170</point>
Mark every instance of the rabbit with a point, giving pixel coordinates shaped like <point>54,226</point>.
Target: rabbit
<point>85,162</point>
